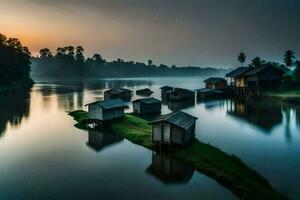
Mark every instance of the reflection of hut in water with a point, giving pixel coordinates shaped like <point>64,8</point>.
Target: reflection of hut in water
<point>169,170</point>
<point>181,94</point>
<point>179,105</point>
<point>146,106</point>
<point>208,93</point>
<point>106,110</point>
<point>259,113</point>
<point>165,90</point>
<point>98,140</point>
<point>144,92</point>
<point>118,93</point>
<point>174,128</point>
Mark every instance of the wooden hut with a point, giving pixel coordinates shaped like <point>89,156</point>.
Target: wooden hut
<point>144,92</point>
<point>169,170</point>
<point>165,90</point>
<point>118,93</point>
<point>106,110</point>
<point>181,94</point>
<point>263,78</point>
<point>174,128</point>
<point>146,106</point>
<point>251,81</point>
<point>237,80</point>
<point>215,83</point>
<point>98,140</point>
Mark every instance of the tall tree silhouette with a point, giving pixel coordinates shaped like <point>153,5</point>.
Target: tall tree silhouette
<point>14,62</point>
<point>242,58</point>
<point>288,58</point>
<point>79,54</point>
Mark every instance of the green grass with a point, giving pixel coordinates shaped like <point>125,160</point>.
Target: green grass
<point>288,96</point>
<point>226,169</point>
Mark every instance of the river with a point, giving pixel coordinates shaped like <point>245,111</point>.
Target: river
<point>43,156</point>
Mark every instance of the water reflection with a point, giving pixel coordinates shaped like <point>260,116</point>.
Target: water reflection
<point>98,140</point>
<point>259,113</point>
<point>179,105</point>
<point>14,108</point>
<point>169,170</point>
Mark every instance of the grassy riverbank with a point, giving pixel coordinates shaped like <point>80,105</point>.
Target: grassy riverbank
<point>288,96</point>
<point>226,169</point>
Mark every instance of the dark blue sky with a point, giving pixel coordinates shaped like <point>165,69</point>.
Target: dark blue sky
<point>190,32</point>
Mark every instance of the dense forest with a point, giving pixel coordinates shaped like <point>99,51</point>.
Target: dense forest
<point>14,64</point>
<point>70,62</point>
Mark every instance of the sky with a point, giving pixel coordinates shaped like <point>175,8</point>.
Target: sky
<point>206,33</point>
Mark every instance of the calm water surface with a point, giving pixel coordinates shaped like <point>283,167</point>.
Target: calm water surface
<point>45,157</point>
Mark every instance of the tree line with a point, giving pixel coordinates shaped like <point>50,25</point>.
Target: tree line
<point>14,63</point>
<point>70,61</point>
<point>291,78</point>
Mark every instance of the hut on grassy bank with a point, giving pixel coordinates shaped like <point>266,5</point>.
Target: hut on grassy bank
<point>106,110</point>
<point>215,83</point>
<point>118,93</point>
<point>174,128</point>
<point>181,94</point>
<point>146,106</point>
<point>165,90</point>
<point>98,140</point>
<point>144,92</point>
<point>169,170</point>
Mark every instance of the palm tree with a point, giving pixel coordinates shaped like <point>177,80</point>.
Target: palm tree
<point>288,58</point>
<point>242,58</point>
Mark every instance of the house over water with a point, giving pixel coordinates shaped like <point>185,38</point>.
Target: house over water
<point>254,80</point>
<point>215,83</point>
<point>181,94</point>
<point>174,128</point>
<point>118,93</point>
<point>146,106</point>
<point>106,110</point>
<point>165,90</point>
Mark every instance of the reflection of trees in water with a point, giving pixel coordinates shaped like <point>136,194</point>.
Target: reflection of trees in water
<point>264,115</point>
<point>98,140</point>
<point>169,170</point>
<point>70,94</point>
<point>14,108</point>
<point>286,110</point>
<point>297,111</point>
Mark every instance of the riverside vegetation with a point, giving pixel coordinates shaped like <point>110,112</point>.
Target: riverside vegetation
<point>227,170</point>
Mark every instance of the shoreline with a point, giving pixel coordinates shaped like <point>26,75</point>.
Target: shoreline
<point>288,96</point>
<point>16,87</point>
<point>227,170</point>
